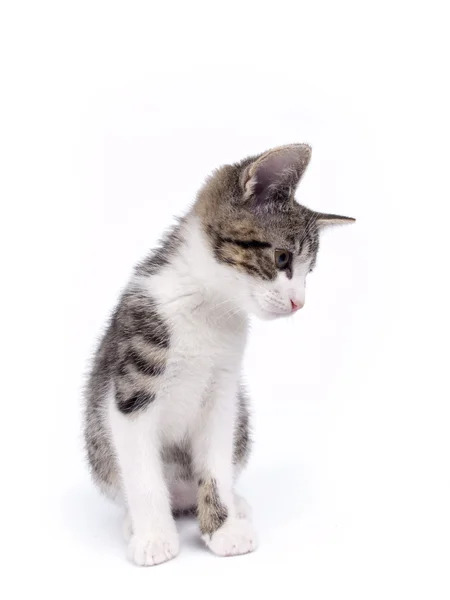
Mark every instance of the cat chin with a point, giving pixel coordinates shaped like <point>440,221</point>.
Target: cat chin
<point>265,315</point>
<point>269,317</point>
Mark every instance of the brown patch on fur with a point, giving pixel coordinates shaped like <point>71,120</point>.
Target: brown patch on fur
<point>211,512</point>
<point>243,246</point>
<point>242,433</point>
<point>243,228</point>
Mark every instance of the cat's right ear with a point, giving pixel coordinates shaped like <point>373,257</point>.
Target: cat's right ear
<point>270,181</point>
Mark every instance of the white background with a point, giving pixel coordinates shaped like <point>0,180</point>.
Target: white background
<point>111,116</point>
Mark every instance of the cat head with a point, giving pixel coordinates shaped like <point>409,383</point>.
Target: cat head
<point>257,230</point>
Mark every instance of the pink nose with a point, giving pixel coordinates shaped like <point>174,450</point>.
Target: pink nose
<point>295,306</point>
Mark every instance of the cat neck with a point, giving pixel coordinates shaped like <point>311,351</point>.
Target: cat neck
<point>193,282</point>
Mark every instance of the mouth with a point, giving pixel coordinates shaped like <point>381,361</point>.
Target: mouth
<point>272,313</point>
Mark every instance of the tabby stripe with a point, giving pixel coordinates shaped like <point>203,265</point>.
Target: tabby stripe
<point>267,270</point>
<point>143,365</point>
<point>138,401</point>
<point>267,274</point>
<point>247,267</point>
<point>150,326</point>
<point>245,243</point>
<point>255,270</point>
<point>259,270</point>
<point>156,337</point>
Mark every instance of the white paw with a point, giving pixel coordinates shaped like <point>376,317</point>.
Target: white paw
<point>236,536</point>
<point>243,508</point>
<point>148,550</point>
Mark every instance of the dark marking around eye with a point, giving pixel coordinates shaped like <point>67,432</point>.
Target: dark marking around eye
<point>260,272</point>
<point>266,273</point>
<point>252,269</point>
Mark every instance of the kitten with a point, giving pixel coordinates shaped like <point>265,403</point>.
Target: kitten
<point>167,422</point>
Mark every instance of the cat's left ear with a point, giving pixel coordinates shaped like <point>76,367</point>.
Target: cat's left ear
<point>325,220</point>
<point>271,180</point>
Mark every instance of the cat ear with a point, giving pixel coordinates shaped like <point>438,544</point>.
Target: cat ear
<point>272,178</point>
<point>325,220</point>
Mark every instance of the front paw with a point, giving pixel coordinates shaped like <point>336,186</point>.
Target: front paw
<point>147,550</point>
<point>236,536</point>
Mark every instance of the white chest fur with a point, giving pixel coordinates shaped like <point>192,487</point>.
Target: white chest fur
<point>202,348</point>
<point>208,332</point>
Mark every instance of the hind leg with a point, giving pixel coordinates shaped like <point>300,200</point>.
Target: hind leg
<point>183,496</point>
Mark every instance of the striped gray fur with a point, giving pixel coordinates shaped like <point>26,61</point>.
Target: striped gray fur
<point>245,218</point>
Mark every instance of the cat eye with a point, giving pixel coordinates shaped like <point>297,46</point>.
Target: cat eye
<point>282,258</point>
